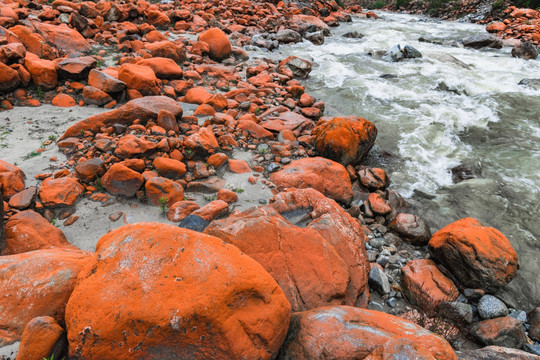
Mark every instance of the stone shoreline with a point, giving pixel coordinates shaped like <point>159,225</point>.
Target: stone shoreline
<point>251,283</point>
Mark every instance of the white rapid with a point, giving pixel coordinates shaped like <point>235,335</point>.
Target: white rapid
<point>453,106</point>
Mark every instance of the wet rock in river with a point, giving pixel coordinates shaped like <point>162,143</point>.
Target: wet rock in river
<point>533,83</point>
<point>525,50</point>
<point>317,38</point>
<point>288,36</point>
<point>353,35</point>
<point>481,41</point>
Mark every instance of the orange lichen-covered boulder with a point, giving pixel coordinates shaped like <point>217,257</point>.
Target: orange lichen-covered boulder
<point>181,209</point>
<point>60,192</point>
<point>479,256</point>
<point>34,43</point>
<point>27,231</point>
<point>323,175</point>
<point>169,168</point>
<point>9,78</point>
<point>67,40</point>
<point>11,179</point>
<point>399,349</point>
<point>496,27</point>
<point>131,145</point>
<point>345,140</point>
<point>105,82</point>
<point>63,100</point>
<point>502,331</point>
<point>164,68</point>
<point>139,77</point>
<point>197,95</point>
<point>348,333</point>
<point>314,253</point>
<point>156,290</point>
<point>220,47</point>
<point>39,338</point>
<point>203,142</point>
<point>145,108</point>
<point>37,283</point>
<point>167,49</point>
<point>158,188</point>
<point>426,286</point>
<point>121,180</point>
<point>43,71</point>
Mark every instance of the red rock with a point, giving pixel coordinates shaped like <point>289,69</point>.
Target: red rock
<point>76,68</point>
<point>218,159</point>
<point>254,129</point>
<point>204,110</point>
<point>503,331</point>
<point>213,210</point>
<point>496,27</point>
<point>63,100</point>
<point>180,210</point>
<point>374,178</point>
<point>164,68</point>
<point>145,109</point>
<point>23,199</point>
<point>203,142</point>
<point>239,166</point>
<point>159,187</point>
<point>43,71</point>
<point>426,286</point>
<point>245,313</point>
<point>323,175</point>
<point>34,42</point>
<point>28,231</point>
<point>39,338</point>
<point>37,283</point>
<point>220,47</point>
<point>12,53</point>
<point>411,228</point>
<point>167,120</point>
<point>312,335</point>
<point>120,180</point>
<point>141,78</point>
<point>197,95</point>
<point>90,170</point>
<point>378,205</point>
<point>227,195</point>
<point>293,254</point>
<point>11,183</point>
<point>345,140</point>
<point>9,78</point>
<point>217,101</point>
<point>288,120</point>
<point>169,168</point>
<point>478,256</point>
<point>130,146</point>
<point>60,192</point>
<point>105,82</point>
<point>157,18</point>
<point>94,96</point>
<point>67,40</point>
<point>167,49</point>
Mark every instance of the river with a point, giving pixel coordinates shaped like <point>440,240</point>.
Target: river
<point>438,113</point>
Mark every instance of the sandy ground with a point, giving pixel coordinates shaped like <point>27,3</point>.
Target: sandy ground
<point>24,129</point>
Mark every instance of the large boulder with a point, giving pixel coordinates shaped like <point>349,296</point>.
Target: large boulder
<point>145,108</point>
<point>503,331</point>
<point>480,257</point>
<point>348,333</point>
<point>312,248</point>
<point>220,47</point>
<point>426,286</point>
<point>139,77</point>
<point>525,50</point>
<point>60,192</point>
<point>27,231</point>
<point>323,175</point>
<point>9,78</point>
<point>496,353</point>
<point>36,283</point>
<point>157,291</point>
<point>482,41</point>
<point>43,71</point>
<point>69,41</point>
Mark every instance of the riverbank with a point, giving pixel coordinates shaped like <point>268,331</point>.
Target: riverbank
<point>247,136</point>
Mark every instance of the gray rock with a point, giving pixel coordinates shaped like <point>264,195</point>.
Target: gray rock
<point>473,294</point>
<point>392,302</point>
<point>288,36</point>
<point>490,307</point>
<point>353,35</point>
<point>377,242</point>
<point>495,353</point>
<point>383,260</point>
<point>316,37</point>
<point>411,53</point>
<point>525,50</point>
<point>372,255</point>
<point>411,227</point>
<point>272,167</point>
<point>375,306</point>
<point>482,41</point>
<point>533,349</point>
<point>300,67</point>
<point>457,311</point>
<point>394,54</point>
<point>533,83</point>
<point>503,331</point>
<point>518,314</point>
<point>379,281</point>
<point>194,222</point>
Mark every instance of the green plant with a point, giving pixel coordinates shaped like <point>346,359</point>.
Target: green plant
<point>98,63</point>
<point>81,133</point>
<point>209,197</point>
<point>98,183</point>
<point>498,4</point>
<point>163,205</point>
<point>379,4</point>
<point>52,137</point>
<point>30,155</point>
<point>340,3</point>
<point>402,3</point>
<point>54,222</point>
<point>238,190</point>
<point>263,150</point>
<point>40,92</point>
<point>258,111</point>
<point>52,356</point>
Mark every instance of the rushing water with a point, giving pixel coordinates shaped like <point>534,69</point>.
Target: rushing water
<point>451,107</point>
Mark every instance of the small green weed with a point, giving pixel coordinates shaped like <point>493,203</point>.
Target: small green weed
<point>238,190</point>
<point>52,137</point>
<point>98,183</point>
<point>31,155</point>
<point>209,197</point>
<point>163,205</point>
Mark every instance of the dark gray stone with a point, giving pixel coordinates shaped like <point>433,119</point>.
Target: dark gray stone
<point>288,36</point>
<point>525,50</point>
<point>533,83</point>
<point>482,41</point>
<point>379,281</point>
<point>317,38</point>
<point>194,222</point>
